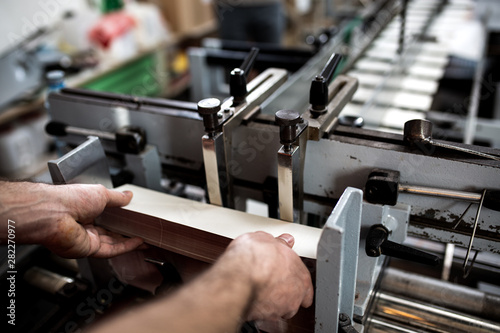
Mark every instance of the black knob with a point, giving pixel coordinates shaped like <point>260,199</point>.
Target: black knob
<point>382,187</point>
<point>238,77</point>
<point>288,120</point>
<point>377,244</point>
<point>130,139</point>
<point>208,109</point>
<point>318,94</point>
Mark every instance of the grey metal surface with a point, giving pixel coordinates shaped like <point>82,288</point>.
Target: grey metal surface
<point>146,168</point>
<point>86,164</point>
<point>259,89</point>
<point>22,73</point>
<point>355,158</point>
<point>441,293</point>
<point>336,263</point>
<point>396,220</point>
<point>175,133</point>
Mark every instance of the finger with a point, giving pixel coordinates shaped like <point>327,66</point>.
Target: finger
<point>118,199</point>
<point>288,239</point>
<point>113,250</point>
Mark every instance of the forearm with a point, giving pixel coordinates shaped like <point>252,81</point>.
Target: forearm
<point>26,204</point>
<point>217,301</point>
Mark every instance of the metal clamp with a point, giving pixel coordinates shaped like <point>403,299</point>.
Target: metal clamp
<point>291,164</point>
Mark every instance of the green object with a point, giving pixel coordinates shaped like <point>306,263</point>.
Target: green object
<point>108,6</point>
<point>138,78</point>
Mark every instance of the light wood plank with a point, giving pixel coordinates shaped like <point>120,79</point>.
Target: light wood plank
<point>197,230</point>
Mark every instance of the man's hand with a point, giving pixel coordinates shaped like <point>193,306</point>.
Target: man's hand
<point>48,215</point>
<point>258,277</point>
<point>281,282</point>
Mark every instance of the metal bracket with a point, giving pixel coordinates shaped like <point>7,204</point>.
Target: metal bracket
<point>340,93</point>
<point>337,260</point>
<point>217,146</point>
<point>86,164</point>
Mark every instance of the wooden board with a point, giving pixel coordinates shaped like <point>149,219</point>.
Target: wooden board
<point>197,230</point>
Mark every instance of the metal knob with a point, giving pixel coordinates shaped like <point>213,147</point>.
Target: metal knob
<point>288,120</point>
<point>417,130</point>
<point>208,109</point>
<point>238,77</point>
<point>377,244</point>
<point>318,94</point>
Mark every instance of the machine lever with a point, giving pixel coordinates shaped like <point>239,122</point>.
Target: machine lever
<point>419,132</point>
<point>238,77</point>
<point>318,95</point>
<point>383,187</point>
<point>377,244</point>
<point>128,139</point>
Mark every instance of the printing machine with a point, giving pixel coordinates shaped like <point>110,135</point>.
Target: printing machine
<point>282,141</point>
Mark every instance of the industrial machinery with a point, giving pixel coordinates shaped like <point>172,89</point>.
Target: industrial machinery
<point>296,145</point>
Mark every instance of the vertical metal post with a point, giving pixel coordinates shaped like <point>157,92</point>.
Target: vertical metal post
<point>337,260</point>
<point>215,168</point>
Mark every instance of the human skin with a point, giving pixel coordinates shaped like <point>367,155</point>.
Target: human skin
<point>62,218</point>
<point>258,277</point>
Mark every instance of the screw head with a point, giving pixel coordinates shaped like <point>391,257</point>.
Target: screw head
<point>208,106</point>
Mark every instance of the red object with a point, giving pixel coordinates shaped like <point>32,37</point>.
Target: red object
<point>110,27</point>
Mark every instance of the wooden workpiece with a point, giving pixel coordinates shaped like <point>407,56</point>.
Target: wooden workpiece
<point>202,232</point>
<point>194,229</point>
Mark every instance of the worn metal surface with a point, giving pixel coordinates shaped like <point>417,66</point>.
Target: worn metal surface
<point>337,260</point>
<point>396,220</point>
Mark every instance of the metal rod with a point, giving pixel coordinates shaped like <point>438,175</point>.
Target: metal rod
<point>447,261</point>
<point>379,325</point>
<point>401,41</point>
<point>471,120</point>
<point>464,150</point>
<point>441,293</point>
<point>90,132</point>
<point>462,216</point>
<point>438,192</point>
<point>473,233</point>
<point>427,317</point>
<point>330,67</point>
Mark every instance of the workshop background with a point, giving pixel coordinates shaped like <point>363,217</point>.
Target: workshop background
<point>431,61</point>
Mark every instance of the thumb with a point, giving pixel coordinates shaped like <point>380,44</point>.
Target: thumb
<point>288,239</point>
<point>118,199</point>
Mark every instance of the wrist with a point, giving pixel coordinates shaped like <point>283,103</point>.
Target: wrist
<point>236,270</point>
<point>30,206</point>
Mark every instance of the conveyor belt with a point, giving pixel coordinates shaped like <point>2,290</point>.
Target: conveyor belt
<point>394,89</point>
